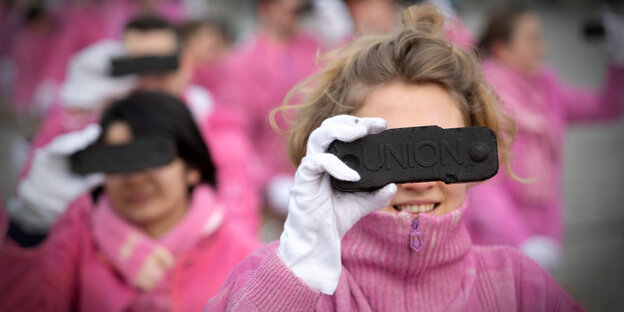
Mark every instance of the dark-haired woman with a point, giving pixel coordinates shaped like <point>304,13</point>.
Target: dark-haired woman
<point>529,215</point>
<point>144,240</point>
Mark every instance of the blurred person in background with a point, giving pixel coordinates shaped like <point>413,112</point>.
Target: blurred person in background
<point>28,46</point>
<point>59,30</point>
<point>381,17</point>
<point>209,42</point>
<point>530,215</point>
<point>374,16</point>
<point>151,36</point>
<point>144,239</point>
<point>266,67</point>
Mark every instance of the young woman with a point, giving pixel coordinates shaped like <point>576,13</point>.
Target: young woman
<point>530,215</point>
<point>404,247</point>
<point>144,243</point>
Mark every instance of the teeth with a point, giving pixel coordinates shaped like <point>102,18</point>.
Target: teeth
<point>417,208</point>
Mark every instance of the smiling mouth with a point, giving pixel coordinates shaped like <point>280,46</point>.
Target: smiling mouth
<point>423,208</point>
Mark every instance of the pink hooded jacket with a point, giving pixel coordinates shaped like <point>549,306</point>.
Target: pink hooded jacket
<point>507,211</point>
<point>381,272</point>
<point>93,260</point>
<point>264,71</point>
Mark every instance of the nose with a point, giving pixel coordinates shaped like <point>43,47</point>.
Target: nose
<point>417,187</point>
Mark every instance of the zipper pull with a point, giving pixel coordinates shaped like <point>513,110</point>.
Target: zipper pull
<point>415,240</point>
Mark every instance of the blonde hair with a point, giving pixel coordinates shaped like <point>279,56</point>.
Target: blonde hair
<point>415,54</point>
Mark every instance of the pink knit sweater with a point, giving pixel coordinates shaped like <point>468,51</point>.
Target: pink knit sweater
<point>380,272</point>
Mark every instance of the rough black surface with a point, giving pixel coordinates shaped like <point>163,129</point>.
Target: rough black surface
<point>144,64</point>
<point>418,154</point>
<point>140,154</point>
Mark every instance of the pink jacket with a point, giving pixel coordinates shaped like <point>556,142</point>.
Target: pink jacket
<point>28,52</point>
<point>95,261</point>
<point>380,272</point>
<point>506,211</point>
<point>265,71</point>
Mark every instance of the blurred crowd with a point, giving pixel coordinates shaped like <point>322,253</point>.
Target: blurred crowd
<point>67,65</point>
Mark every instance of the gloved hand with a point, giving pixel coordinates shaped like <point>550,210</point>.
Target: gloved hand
<point>614,36</point>
<point>319,215</point>
<point>50,186</point>
<point>543,250</point>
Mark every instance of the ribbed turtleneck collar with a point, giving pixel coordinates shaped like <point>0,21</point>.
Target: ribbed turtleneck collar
<point>389,242</point>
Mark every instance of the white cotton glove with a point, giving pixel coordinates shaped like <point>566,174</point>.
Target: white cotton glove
<point>614,36</point>
<point>543,250</point>
<point>50,185</point>
<point>319,215</point>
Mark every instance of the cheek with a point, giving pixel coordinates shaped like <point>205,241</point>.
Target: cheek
<point>113,186</point>
<point>170,181</point>
<point>454,194</point>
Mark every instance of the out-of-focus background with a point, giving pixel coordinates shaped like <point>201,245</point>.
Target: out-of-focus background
<point>593,265</point>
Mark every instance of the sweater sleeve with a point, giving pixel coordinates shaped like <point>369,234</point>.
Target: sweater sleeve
<point>43,278</point>
<point>583,104</point>
<point>538,290</point>
<point>262,282</point>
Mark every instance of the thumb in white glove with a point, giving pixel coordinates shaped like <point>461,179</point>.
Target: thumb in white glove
<point>50,186</point>
<point>319,215</point>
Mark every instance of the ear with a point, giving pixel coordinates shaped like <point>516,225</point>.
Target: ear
<point>193,176</point>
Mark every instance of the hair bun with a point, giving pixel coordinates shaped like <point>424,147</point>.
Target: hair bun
<point>426,18</point>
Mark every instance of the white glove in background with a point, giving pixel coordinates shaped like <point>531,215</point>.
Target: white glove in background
<point>614,36</point>
<point>543,250</point>
<point>319,215</point>
<point>88,82</point>
<point>50,186</point>
<point>278,193</point>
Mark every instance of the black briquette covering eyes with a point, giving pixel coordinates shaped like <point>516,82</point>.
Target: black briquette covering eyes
<point>144,64</point>
<point>418,154</point>
<point>142,153</point>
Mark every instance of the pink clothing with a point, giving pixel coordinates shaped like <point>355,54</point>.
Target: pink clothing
<point>265,71</point>
<point>29,49</point>
<point>509,212</point>
<point>381,272</point>
<point>232,153</point>
<point>214,77</point>
<point>93,261</point>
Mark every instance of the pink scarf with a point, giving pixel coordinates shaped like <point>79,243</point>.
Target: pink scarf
<point>145,261</point>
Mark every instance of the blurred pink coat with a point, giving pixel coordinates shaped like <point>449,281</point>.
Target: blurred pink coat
<point>93,260</point>
<point>506,211</point>
<point>265,71</point>
<point>228,144</point>
<point>28,51</point>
